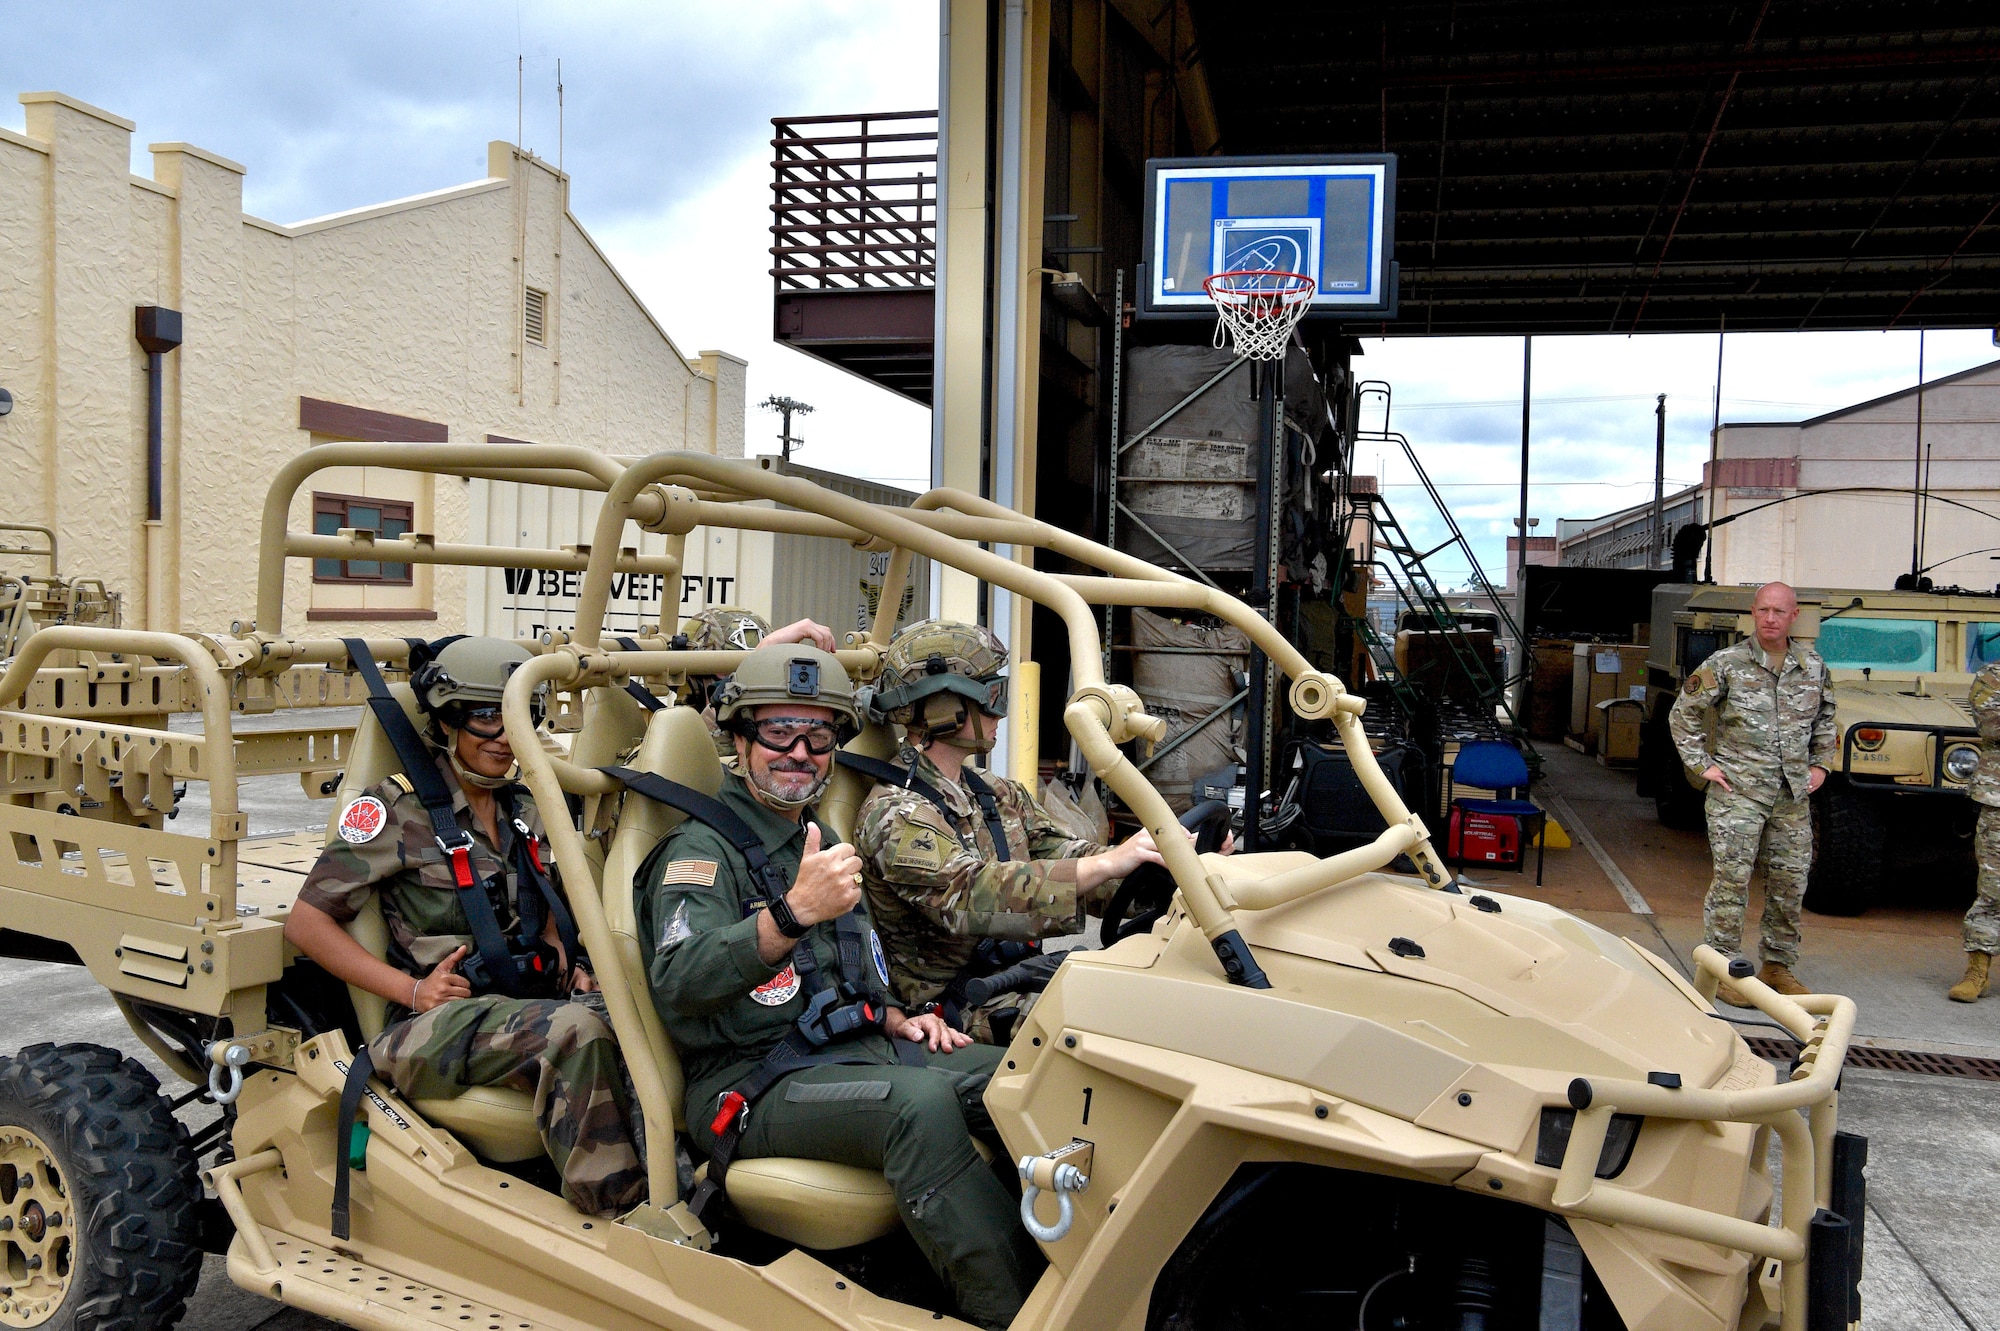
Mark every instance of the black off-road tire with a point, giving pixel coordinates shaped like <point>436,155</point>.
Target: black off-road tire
<point>1678,805</point>
<point>1850,840</point>
<point>126,1187</point>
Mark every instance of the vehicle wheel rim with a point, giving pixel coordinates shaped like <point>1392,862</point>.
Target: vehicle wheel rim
<point>37,1230</point>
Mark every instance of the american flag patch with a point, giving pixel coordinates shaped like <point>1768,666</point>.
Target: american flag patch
<point>696,873</point>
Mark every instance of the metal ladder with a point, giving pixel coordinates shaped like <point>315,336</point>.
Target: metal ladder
<point>1406,569</point>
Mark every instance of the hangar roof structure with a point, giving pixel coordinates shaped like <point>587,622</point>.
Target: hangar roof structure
<point>1571,166</point>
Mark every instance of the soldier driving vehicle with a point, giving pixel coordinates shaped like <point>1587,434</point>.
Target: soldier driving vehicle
<point>486,983</point>
<point>1545,1141</point>
<point>965,873</point>
<point>769,977</point>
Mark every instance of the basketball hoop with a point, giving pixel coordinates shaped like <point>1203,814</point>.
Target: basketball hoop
<point>1259,307</point>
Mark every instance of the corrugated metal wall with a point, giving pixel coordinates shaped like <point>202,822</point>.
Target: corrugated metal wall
<point>780,577</point>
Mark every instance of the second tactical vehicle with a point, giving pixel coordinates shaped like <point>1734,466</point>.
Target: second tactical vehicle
<point>1310,1091</point>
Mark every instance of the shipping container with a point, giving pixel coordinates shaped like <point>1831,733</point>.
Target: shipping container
<point>781,577</point>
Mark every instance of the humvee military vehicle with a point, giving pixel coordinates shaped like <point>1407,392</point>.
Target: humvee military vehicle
<point>1310,1091</point>
<point>1902,665</point>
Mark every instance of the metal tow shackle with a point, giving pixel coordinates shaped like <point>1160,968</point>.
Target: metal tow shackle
<point>1040,1173</point>
<point>230,1058</point>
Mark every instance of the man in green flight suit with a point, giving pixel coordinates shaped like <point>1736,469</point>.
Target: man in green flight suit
<point>945,891</point>
<point>1982,922</point>
<point>453,1024</point>
<point>1773,744</point>
<point>772,985</point>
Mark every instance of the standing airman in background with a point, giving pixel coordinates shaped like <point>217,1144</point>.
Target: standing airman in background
<point>1982,922</point>
<point>1773,744</point>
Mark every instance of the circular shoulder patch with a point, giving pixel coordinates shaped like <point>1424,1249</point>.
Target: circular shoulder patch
<point>779,990</point>
<point>363,820</point>
<point>881,963</point>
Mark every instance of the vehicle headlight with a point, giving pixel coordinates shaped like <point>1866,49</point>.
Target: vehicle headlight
<point>1961,761</point>
<point>1558,1122</point>
<point>1868,739</point>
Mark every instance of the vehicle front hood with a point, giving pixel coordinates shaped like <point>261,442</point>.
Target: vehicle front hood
<point>1883,700</point>
<point>1546,989</point>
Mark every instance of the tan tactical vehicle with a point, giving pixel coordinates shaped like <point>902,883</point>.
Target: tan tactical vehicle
<point>29,601</point>
<point>1311,1093</point>
<point>1902,665</point>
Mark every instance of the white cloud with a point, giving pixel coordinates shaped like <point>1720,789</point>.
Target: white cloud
<point>1592,422</point>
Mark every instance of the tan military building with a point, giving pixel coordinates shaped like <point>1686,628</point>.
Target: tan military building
<point>479,312</point>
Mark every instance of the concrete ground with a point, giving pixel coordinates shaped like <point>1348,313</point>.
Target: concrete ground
<point>1934,1171</point>
<point>1933,1226</point>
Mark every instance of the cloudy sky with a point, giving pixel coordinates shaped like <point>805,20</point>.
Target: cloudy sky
<point>668,107</point>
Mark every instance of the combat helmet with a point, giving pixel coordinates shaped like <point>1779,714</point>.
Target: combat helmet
<point>722,628</point>
<point>781,673</point>
<point>941,658</point>
<point>788,673</point>
<point>457,677</point>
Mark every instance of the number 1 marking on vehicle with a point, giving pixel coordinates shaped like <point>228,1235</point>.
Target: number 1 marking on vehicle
<point>1086,1106</point>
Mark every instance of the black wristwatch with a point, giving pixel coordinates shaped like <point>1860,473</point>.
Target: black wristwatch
<point>781,915</point>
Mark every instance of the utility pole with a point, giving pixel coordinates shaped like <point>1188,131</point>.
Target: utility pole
<point>1714,458</point>
<point>787,408</point>
<point>1527,375</point>
<point>1659,540</point>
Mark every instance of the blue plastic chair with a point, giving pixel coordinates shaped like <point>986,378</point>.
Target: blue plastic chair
<point>1496,765</point>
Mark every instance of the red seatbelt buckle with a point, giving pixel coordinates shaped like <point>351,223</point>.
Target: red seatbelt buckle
<point>869,1013</point>
<point>733,1105</point>
<point>461,864</point>
<point>534,845</point>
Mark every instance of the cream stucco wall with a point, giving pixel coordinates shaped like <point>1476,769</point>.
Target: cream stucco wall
<point>412,307</point>
<point>1862,539</point>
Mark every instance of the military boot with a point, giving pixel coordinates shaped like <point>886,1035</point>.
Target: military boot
<point>1968,990</point>
<point>1779,977</point>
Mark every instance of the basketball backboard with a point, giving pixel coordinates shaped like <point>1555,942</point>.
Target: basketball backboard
<point>1331,217</point>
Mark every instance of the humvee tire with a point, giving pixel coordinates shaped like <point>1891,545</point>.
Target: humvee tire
<point>1676,803</point>
<point>1849,838</point>
<point>98,1181</point>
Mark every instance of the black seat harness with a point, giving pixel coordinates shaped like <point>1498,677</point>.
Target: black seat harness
<point>908,779</point>
<point>493,963</point>
<point>838,1008</point>
<point>642,695</point>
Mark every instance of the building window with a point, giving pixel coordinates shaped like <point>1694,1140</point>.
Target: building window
<point>385,517</point>
<point>537,306</point>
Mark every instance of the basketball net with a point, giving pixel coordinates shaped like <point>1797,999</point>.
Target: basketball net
<point>1259,308</point>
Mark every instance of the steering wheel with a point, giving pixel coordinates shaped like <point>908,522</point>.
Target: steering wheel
<point>1150,888</point>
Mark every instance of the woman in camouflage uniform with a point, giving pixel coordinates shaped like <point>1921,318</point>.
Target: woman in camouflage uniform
<point>449,1029</point>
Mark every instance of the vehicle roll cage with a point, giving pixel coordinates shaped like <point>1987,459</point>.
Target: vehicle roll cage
<point>66,699</point>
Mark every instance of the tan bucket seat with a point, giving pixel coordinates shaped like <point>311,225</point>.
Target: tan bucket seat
<point>497,1122</point>
<point>814,1203</point>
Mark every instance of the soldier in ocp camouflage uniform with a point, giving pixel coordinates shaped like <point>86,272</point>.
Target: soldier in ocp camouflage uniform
<point>448,1028</point>
<point>937,884</point>
<point>1772,747</point>
<point>1982,922</point>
